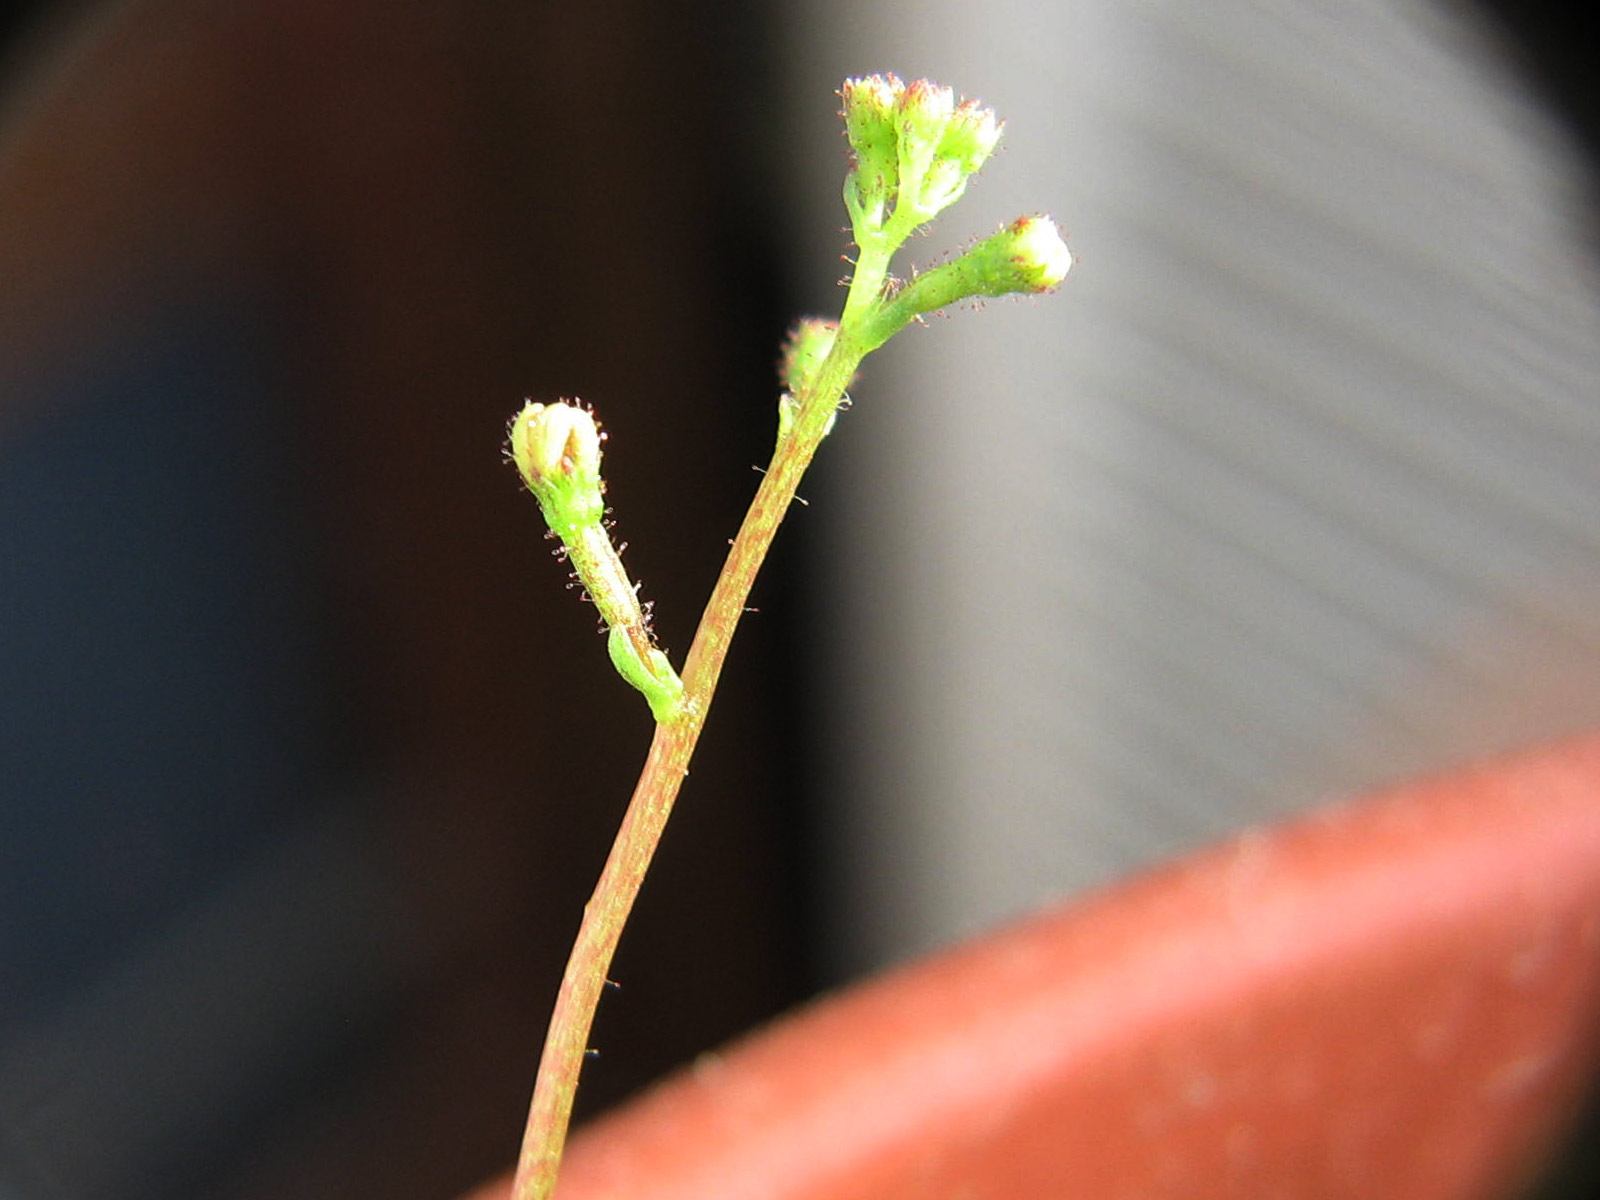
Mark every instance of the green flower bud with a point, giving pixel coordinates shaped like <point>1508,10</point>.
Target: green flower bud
<point>969,139</point>
<point>808,344</point>
<point>1028,255</point>
<point>556,447</point>
<point>925,110</point>
<point>870,124</point>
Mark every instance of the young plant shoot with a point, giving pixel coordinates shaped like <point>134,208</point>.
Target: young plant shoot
<point>913,148</point>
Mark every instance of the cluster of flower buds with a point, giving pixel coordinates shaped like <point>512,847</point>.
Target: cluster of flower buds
<point>915,148</point>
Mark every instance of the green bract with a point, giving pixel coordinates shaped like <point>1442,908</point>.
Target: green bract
<point>650,672</point>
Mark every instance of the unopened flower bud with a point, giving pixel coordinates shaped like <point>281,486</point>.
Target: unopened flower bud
<point>808,344</point>
<point>870,124</point>
<point>869,112</point>
<point>925,109</point>
<point>557,450</point>
<point>970,137</point>
<point>1028,255</point>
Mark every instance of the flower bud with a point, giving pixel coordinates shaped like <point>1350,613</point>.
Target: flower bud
<point>808,344</point>
<point>557,450</point>
<point>925,110</point>
<point>1028,255</point>
<point>970,137</point>
<point>869,112</point>
<point>870,124</point>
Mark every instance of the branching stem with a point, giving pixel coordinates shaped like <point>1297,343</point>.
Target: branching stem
<point>914,148</point>
<point>668,762</point>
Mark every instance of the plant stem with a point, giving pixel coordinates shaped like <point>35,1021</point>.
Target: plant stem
<point>567,1041</point>
<point>914,149</point>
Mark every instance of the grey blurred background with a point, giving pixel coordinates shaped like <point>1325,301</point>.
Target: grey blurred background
<point>1294,490</point>
<point>308,761</point>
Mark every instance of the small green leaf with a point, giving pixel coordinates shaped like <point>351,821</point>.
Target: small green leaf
<point>652,674</point>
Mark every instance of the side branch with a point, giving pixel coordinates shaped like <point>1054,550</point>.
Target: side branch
<point>567,1040</point>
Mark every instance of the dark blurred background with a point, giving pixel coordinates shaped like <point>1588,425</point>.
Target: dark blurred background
<point>307,758</point>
